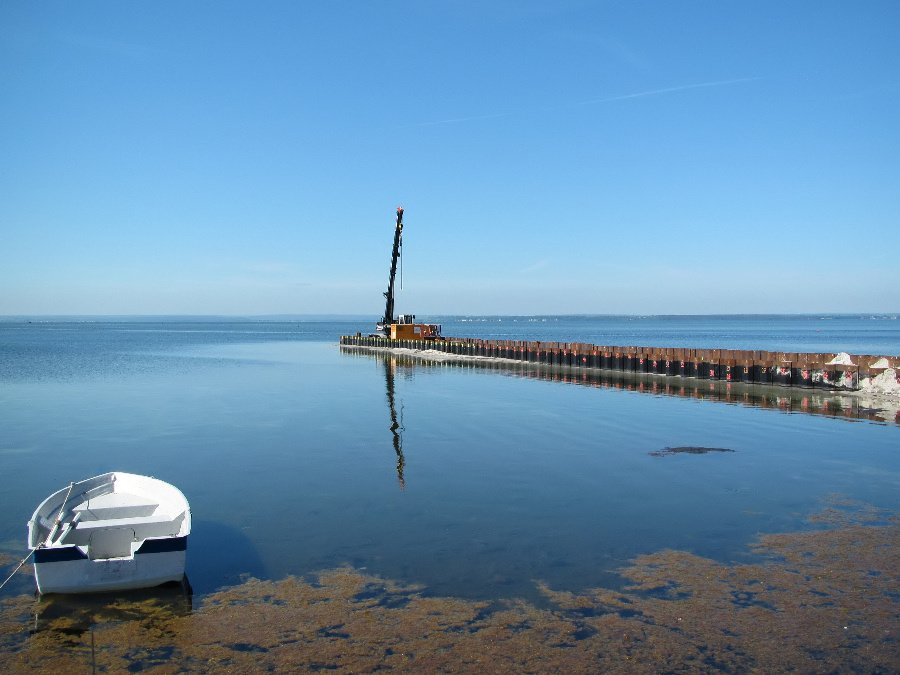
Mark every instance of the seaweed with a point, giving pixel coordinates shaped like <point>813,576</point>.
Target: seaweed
<point>823,600</point>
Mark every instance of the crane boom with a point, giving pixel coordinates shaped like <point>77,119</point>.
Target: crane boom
<point>388,317</point>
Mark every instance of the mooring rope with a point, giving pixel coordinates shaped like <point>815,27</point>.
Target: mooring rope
<point>24,560</point>
<point>47,541</point>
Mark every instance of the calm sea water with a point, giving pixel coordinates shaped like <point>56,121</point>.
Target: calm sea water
<point>298,457</point>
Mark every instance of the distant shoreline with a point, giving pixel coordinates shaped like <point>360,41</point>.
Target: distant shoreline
<point>462,318</point>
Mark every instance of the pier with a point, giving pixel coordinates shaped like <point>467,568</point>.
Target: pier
<point>829,371</point>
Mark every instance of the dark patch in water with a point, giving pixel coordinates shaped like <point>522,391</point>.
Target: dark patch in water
<point>369,592</point>
<point>687,450</point>
<point>246,647</point>
<point>477,622</point>
<point>747,599</point>
<point>333,632</point>
<point>666,591</point>
<point>393,601</point>
<point>150,658</point>
<point>384,597</point>
<point>562,645</point>
<point>584,631</point>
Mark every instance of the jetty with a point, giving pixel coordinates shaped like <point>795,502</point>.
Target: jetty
<point>829,371</point>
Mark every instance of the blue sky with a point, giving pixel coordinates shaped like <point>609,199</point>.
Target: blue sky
<point>552,157</point>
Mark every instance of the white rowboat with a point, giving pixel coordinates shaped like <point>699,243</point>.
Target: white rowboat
<point>112,532</point>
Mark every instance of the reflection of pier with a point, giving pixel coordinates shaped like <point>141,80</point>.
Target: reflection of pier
<point>782,398</point>
<point>390,365</point>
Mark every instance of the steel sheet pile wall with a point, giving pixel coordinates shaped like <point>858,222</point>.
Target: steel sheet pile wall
<point>790,369</point>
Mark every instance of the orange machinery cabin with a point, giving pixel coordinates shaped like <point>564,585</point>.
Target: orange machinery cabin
<point>406,330</point>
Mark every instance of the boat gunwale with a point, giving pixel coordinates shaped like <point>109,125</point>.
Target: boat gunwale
<point>42,521</point>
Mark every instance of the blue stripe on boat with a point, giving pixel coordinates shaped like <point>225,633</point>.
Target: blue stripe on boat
<point>64,554</point>
<point>163,545</point>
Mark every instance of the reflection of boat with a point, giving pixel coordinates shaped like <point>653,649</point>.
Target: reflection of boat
<point>111,532</point>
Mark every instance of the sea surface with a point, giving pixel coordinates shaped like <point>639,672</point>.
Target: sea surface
<point>298,456</point>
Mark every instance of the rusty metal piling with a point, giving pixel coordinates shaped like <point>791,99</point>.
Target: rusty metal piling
<point>787,369</point>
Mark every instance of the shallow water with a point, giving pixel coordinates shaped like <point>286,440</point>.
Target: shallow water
<point>284,446</point>
<point>821,601</point>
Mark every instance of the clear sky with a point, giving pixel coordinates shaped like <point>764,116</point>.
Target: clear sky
<point>553,157</point>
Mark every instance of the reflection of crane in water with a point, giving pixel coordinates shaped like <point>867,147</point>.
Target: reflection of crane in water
<point>396,427</point>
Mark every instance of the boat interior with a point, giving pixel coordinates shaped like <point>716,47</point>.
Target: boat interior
<point>113,524</point>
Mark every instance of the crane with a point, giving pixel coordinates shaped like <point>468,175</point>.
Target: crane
<point>404,326</point>
<point>384,326</point>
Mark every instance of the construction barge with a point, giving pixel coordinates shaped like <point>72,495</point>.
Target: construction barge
<point>828,371</point>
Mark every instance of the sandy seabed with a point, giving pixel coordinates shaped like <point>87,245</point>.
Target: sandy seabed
<point>824,600</point>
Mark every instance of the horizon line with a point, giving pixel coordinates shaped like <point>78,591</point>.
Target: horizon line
<point>287,316</point>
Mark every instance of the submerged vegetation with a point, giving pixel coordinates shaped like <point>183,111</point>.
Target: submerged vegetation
<point>822,600</point>
<point>687,450</point>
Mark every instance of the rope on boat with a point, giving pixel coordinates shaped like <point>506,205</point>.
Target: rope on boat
<point>24,560</point>
<point>45,542</point>
<point>59,515</point>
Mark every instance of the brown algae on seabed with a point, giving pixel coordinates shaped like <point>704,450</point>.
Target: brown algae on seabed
<point>823,600</point>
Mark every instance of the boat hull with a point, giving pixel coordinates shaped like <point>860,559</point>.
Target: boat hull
<point>82,575</point>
